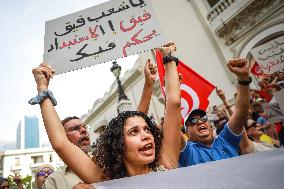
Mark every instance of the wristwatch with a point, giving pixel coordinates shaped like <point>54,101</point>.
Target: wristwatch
<point>245,82</point>
<point>41,96</point>
<point>169,58</point>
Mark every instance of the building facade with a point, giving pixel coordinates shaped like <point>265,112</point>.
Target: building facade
<point>28,133</point>
<point>26,161</point>
<point>208,33</point>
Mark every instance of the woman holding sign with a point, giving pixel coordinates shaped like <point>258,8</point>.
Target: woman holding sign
<point>131,145</point>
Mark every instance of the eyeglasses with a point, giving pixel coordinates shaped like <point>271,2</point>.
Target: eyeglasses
<point>43,173</point>
<point>4,187</point>
<point>252,125</point>
<point>77,127</point>
<point>195,120</point>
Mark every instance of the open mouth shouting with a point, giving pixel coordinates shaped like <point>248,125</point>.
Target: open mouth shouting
<point>202,129</point>
<point>147,149</point>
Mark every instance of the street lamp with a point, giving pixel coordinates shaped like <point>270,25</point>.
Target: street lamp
<point>116,70</point>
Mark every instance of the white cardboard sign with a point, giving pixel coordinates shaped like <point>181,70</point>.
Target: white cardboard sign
<point>270,56</point>
<point>280,99</point>
<point>102,33</point>
<point>272,115</point>
<point>253,171</point>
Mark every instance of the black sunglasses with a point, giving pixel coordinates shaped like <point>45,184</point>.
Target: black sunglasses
<point>195,120</point>
<point>252,125</point>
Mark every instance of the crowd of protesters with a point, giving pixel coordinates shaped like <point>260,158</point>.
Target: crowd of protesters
<point>134,144</point>
<point>260,132</point>
<point>41,174</point>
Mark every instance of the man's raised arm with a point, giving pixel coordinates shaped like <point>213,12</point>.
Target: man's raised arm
<point>240,68</point>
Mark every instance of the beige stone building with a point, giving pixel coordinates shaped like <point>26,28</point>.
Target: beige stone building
<point>26,161</point>
<point>207,34</point>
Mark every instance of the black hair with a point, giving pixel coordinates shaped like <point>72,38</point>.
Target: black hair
<point>110,147</point>
<point>67,119</point>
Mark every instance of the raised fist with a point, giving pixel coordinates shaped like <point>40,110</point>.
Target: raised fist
<point>220,93</point>
<point>150,71</point>
<point>240,68</point>
<point>168,49</point>
<point>42,75</point>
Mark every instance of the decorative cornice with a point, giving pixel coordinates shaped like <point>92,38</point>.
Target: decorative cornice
<point>240,17</point>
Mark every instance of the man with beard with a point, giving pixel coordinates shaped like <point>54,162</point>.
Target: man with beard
<point>203,147</point>
<point>64,178</point>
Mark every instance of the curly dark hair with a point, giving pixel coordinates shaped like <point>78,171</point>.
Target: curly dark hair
<point>110,148</point>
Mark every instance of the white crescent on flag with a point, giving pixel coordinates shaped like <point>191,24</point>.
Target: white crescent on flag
<point>194,89</point>
<point>185,109</point>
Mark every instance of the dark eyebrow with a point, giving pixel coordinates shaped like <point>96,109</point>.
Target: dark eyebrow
<point>131,129</point>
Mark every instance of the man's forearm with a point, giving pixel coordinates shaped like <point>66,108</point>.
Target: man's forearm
<point>242,101</point>
<point>241,69</point>
<point>227,106</point>
<point>239,116</point>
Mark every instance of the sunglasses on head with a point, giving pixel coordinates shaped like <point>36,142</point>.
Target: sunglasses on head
<point>77,127</point>
<point>195,120</point>
<point>43,173</point>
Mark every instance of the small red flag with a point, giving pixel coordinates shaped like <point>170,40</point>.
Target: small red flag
<point>195,90</point>
<point>256,70</point>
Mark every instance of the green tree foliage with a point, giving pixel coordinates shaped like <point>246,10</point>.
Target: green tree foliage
<point>26,181</point>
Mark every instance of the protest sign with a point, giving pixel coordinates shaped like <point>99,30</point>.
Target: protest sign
<point>280,100</point>
<point>102,33</point>
<point>270,56</point>
<point>273,115</point>
<point>253,171</point>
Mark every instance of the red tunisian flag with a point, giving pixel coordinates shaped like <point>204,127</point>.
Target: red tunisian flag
<point>256,70</point>
<point>195,90</point>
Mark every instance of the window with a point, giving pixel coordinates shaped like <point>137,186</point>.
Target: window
<point>37,159</point>
<point>50,158</point>
<point>17,161</point>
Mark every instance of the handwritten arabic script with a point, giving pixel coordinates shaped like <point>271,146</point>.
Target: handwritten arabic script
<point>273,116</point>
<point>102,33</point>
<point>270,56</point>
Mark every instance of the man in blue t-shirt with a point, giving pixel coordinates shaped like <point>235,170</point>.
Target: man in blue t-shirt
<point>202,146</point>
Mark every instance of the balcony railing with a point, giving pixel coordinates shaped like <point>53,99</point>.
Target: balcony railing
<point>219,8</point>
<point>224,11</point>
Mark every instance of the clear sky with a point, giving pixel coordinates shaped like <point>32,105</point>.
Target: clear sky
<point>22,29</point>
